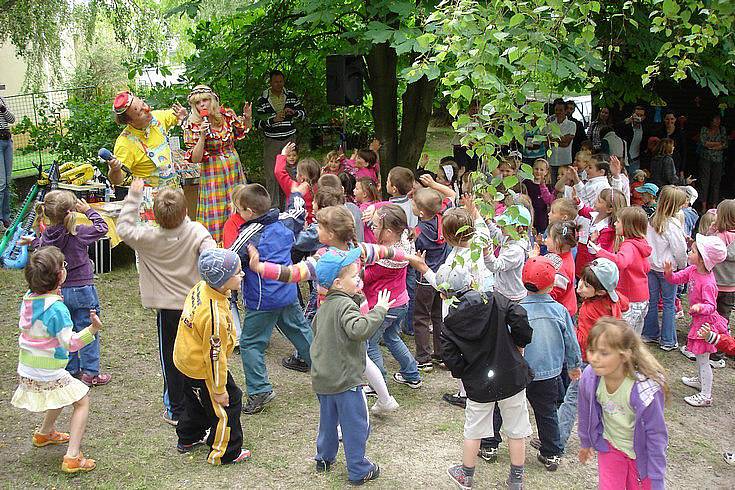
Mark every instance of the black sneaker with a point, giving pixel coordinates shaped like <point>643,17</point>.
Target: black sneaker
<point>369,391</point>
<point>489,454</point>
<point>256,403</point>
<point>186,448</point>
<point>455,399</point>
<point>425,367</point>
<point>295,363</point>
<point>371,475</point>
<point>550,462</point>
<point>323,466</point>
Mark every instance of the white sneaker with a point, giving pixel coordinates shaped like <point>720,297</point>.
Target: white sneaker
<point>717,364</point>
<point>679,315</point>
<point>380,408</point>
<point>692,382</point>
<point>699,400</point>
<point>729,458</point>
<point>685,352</point>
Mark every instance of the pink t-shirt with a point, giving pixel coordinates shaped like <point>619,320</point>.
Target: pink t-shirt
<point>379,277</point>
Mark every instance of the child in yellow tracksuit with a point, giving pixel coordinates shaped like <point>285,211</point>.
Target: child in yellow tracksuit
<point>206,337</point>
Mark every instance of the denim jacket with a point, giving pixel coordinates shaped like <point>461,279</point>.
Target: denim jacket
<point>554,340</point>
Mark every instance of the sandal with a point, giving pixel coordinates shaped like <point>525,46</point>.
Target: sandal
<point>40,440</point>
<point>76,464</point>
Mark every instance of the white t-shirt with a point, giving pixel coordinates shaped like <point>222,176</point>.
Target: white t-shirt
<point>559,155</point>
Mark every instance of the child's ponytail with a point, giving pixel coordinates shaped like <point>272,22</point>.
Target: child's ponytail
<point>58,208</point>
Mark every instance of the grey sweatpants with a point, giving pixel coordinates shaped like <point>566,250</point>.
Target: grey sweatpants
<point>271,148</point>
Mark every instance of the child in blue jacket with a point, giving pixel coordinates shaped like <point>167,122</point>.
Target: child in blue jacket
<point>269,302</point>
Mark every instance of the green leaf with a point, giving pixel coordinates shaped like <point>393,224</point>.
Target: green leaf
<point>466,92</point>
<point>425,40</point>
<point>670,8</point>
<point>510,181</point>
<point>516,19</point>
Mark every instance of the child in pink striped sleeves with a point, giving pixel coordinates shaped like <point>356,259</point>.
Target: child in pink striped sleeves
<point>46,338</point>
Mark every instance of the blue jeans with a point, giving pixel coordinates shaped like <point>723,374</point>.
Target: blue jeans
<point>256,334</point>
<point>407,323</point>
<point>567,412</point>
<point>390,331</point>
<point>666,333</point>
<point>349,410</point>
<point>80,300</point>
<point>6,176</point>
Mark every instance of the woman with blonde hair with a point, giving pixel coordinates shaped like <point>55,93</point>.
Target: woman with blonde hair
<point>210,133</point>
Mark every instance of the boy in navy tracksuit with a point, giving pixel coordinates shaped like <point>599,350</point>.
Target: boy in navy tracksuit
<point>268,302</point>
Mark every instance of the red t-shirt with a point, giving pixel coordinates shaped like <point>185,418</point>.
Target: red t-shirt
<point>231,229</point>
<point>567,295</point>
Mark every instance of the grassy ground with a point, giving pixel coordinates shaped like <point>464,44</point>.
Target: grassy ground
<point>414,446</point>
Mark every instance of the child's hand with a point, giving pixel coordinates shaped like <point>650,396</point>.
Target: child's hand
<point>704,331</point>
<point>82,206</point>
<point>535,251</point>
<point>418,262</point>
<point>25,240</point>
<point>695,308</point>
<point>354,155</point>
<point>384,299</point>
<point>594,236</point>
<point>427,181</point>
<point>96,324</point>
<point>468,201</point>
<point>223,399</point>
<point>689,241</point>
<point>375,145</point>
<point>254,263</point>
<point>616,168</point>
<point>575,374</point>
<point>585,454</point>
<point>593,248</point>
<point>291,146</point>
<point>368,213</point>
<point>572,175</point>
<point>424,160</point>
<point>689,180</point>
<point>137,185</point>
<point>668,268</point>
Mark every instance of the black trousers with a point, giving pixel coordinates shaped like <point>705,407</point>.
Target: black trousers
<point>202,413</point>
<point>542,396</point>
<point>167,322</point>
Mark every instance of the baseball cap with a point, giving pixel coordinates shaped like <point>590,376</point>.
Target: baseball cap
<point>331,264</point>
<point>648,188</point>
<point>217,265</point>
<point>516,215</point>
<point>538,273</point>
<point>122,102</point>
<point>608,274</point>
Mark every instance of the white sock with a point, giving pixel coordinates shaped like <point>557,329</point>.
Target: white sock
<point>705,374</point>
<point>462,391</point>
<point>376,380</point>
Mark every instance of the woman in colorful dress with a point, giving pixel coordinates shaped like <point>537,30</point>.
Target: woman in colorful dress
<point>210,133</point>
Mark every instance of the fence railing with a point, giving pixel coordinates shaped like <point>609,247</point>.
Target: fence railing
<point>35,106</point>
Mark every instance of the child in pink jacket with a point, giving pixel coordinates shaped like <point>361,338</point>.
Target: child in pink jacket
<point>707,251</point>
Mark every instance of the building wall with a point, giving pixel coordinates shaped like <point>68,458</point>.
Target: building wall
<point>13,71</point>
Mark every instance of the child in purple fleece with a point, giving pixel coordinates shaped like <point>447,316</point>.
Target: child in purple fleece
<point>78,291</point>
<point>621,409</point>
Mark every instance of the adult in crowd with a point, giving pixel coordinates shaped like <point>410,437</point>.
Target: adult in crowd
<point>142,149</point>
<point>669,129</point>
<point>593,132</point>
<point>713,142</point>
<point>635,133</point>
<point>579,135</point>
<point>465,161</point>
<point>277,109</point>
<point>561,146</point>
<point>612,144</point>
<point>6,161</point>
<point>210,133</point>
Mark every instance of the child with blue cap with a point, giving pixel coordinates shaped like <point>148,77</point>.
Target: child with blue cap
<point>204,341</point>
<point>338,362</point>
<point>648,192</point>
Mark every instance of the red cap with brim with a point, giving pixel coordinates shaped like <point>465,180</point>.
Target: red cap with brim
<point>539,273</point>
<point>122,102</point>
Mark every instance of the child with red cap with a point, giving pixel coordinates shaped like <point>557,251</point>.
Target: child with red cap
<point>706,252</point>
<point>553,343</point>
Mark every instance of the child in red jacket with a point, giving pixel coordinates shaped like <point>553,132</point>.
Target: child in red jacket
<point>631,257</point>
<point>307,170</point>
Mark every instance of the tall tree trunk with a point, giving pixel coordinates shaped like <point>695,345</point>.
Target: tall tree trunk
<point>382,63</point>
<point>417,104</point>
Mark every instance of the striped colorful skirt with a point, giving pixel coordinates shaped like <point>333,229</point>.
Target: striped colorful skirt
<point>218,177</point>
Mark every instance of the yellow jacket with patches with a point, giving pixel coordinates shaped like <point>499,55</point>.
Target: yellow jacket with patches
<point>206,337</point>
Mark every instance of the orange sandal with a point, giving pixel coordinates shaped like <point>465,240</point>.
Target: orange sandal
<point>40,440</point>
<point>79,463</point>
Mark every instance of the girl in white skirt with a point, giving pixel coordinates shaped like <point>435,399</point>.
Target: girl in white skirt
<point>46,338</point>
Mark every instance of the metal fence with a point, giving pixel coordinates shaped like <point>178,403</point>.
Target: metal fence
<point>35,108</point>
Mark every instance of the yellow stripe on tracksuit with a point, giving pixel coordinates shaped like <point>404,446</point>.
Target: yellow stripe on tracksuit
<point>222,431</point>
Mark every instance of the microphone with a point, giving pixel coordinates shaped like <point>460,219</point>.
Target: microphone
<point>105,154</point>
<point>204,113</point>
